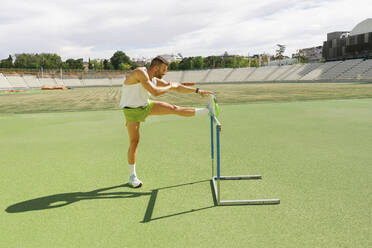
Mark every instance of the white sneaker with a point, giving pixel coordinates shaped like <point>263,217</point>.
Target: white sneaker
<point>134,181</point>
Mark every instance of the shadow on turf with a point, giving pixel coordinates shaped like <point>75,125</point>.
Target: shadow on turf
<point>150,207</point>
<point>61,200</point>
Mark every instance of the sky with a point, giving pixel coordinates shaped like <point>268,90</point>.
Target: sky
<point>144,28</point>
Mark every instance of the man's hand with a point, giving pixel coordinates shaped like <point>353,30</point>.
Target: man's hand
<point>205,93</point>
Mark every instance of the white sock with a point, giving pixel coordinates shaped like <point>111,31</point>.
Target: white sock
<point>132,168</point>
<point>199,111</point>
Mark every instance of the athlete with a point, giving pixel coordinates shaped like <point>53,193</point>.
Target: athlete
<point>139,85</point>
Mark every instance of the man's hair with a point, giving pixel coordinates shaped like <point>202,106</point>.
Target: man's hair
<point>158,60</point>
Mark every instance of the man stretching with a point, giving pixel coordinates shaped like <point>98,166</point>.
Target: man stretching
<point>136,105</point>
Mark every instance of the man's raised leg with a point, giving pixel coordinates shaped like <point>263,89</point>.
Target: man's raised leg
<point>163,108</point>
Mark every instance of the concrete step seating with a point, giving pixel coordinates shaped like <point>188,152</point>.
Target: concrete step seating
<point>357,72</point>
<point>240,74</point>
<point>32,81</point>
<point>117,81</point>
<point>197,76</point>
<point>368,73</point>
<point>72,82</point>
<point>59,81</point>
<point>277,72</point>
<point>173,76</point>
<point>290,70</point>
<point>96,82</point>
<point>315,74</point>
<point>217,75</point>
<point>340,68</point>
<point>17,82</point>
<point>4,83</point>
<point>302,71</point>
<point>47,81</point>
<point>261,73</point>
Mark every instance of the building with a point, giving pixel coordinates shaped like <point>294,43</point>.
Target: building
<point>349,45</point>
<point>172,58</point>
<point>312,54</point>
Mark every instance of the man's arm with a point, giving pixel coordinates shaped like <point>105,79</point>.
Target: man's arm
<point>180,88</point>
<point>146,83</point>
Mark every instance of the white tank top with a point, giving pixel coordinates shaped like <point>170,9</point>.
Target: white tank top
<point>134,95</point>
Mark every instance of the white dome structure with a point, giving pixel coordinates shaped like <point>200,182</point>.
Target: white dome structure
<point>363,27</point>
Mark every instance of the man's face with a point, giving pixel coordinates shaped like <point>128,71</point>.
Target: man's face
<point>162,70</point>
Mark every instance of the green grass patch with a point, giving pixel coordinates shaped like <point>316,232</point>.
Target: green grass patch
<point>64,175</point>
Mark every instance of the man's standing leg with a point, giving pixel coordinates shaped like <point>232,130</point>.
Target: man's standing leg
<point>133,132</point>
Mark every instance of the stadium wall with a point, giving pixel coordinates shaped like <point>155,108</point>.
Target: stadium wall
<point>355,70</point>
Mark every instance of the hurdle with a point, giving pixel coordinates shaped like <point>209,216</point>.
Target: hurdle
<point>216,179</point>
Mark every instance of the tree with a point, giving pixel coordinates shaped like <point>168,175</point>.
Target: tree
<point>198,62</point>
<point>96,65</point>
<point>254,62</point>
<point>242,62</point>
<point>230,62</point>
<point>36,61</point>
<point>7,63</point>
<point>76,64</point>
<point>25,60</point>
<point>279,52</point>
<point>124,67</point>
<point>301,57</point>
<point>118,58</point>
<point>50,61</point>
<point>107,65</point>
<point>173,66</point>
<point>186,64</point>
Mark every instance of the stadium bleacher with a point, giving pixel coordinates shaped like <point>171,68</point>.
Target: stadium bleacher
<point>277,72</point>
<point>317,72</point>
<point>4,84</point>
<point>59,81</point>
<point>197,76</point>
<point>339,69</point>
<point>174,76</point>
<point>96,82</point>
<point>261,73</point>
<point>294,74</point>
<point>17,82</point>
<point>305,70</point>
<point>32,81</point>
<point>240,74</point>
<point>348,70</point>
<point>117,81</point>
<point>290,70</point>
<point>217,75</point>
<point>72,82</point>
<point>47,81</point>
<point>368,73</point>
<point>358,71</point>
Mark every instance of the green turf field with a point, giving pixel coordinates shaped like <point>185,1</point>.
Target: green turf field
<point>64,175</point>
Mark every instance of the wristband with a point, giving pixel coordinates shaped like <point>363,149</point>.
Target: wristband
<point>197,90</point>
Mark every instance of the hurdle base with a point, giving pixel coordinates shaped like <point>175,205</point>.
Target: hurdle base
<point>240,202</point>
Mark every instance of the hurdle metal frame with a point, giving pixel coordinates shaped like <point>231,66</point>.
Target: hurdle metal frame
<point>216,179</point>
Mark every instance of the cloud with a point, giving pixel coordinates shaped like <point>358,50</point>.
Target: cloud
<point>96,29</point>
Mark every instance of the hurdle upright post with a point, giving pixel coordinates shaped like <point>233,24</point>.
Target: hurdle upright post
<point>212,146</point>
<point>218,130</point>
<point>218,178</point>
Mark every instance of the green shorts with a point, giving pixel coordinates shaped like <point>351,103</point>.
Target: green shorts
<point>138,114</point>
